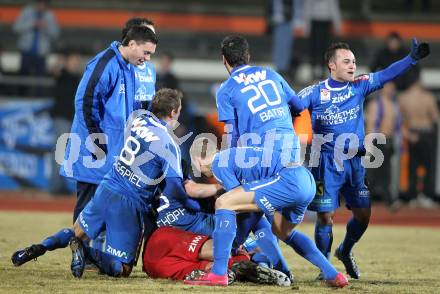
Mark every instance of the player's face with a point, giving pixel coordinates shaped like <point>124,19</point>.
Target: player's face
<point>140,52</point>
<point>343,66</point>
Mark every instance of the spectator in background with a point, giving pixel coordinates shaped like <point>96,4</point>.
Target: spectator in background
<point>420,116</point>
<point>280,16</point>
<point>392,51</point>
<point>383,116</point>
<point>320,17</point>
<point>408,5</point>
<point>1,63</point>
<point>37,29</point>
<point>165,76</point>
<point>187,121</point>
<point>66,82</point>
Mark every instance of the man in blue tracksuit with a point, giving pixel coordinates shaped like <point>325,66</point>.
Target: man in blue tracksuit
<point>145,74</point>
<point>103,102</point>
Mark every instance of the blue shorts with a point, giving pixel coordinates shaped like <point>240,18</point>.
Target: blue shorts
<point>330,182</point>
<point>121,220</point>
<point>289,192</point>
<point>180,218</point>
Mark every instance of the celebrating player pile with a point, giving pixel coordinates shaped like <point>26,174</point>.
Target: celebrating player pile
<point>277,184</point>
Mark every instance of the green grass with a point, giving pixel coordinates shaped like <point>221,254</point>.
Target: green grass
<point>392,260</point>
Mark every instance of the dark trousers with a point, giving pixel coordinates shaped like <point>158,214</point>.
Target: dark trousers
<point>35,66</point>
<point>380,178</point>
<point>84,193</point>
<point>422,154</point>
<point>32,65</point>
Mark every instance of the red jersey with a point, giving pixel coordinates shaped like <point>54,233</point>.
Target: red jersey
<point>173,253</point>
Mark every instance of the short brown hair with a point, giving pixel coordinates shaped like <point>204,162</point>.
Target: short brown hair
<point>165,101</point>
<point>330,53</point>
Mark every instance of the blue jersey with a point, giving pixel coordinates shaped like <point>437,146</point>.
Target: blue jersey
<point>145,75</point>
<point>173,211</point>
<point>239,165</point>
<point>103,102</point>
<point>258,100</point>
<point>339,110</point>
<point>148,156</point>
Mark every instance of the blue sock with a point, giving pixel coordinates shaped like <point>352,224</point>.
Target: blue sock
<point>305,247</point>
<point>268,243</point>
<point>250,244</point>
<point>355,230</point>
<point>58,240</point>
<point>223,235</point>
<point>107,263</point>
<point>260,258</point>
<point>324,238</point>
<point>246,222</point>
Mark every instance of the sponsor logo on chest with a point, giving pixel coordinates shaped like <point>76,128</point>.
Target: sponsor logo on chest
<point>121,88</point>
<point>342,97</point>
<point>144,77</point>
<point>325,95</point>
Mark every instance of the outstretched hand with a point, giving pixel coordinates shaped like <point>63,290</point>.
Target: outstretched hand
<point>419,51</point>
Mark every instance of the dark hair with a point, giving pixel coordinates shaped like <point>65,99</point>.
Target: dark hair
<point>140,34</point>
<point>165,101</point>
<point>235,49</point>
<point>135,22</point>
<point>394,35</point>
<point>330,53</point>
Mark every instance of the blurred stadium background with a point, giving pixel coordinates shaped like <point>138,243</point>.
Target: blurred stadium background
<point>191,31</point>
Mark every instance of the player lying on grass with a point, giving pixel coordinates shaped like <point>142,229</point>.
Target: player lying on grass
<point>281,192</point>
<point>178,210</point>
<point>123,197</point>
<point>172,253</point>
<point>336,107</point>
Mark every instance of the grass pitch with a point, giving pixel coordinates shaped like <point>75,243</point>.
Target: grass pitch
<point>392,260</point>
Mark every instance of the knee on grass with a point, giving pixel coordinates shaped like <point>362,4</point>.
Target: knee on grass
<point>118,269</point>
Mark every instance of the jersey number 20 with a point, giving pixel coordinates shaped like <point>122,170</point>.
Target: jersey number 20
<point>254,103</point>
